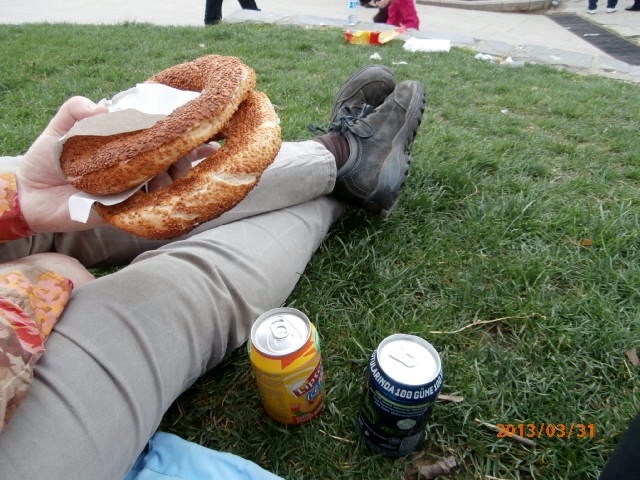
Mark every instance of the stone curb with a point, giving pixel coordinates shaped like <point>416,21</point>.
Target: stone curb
<point>492,5</point>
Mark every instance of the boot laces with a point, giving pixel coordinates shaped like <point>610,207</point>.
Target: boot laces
<point>346,120</point>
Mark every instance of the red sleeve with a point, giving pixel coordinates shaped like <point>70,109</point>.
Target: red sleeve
<point>12,223</point>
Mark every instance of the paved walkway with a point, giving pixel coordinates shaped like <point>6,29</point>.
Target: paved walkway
<point>525,37</point>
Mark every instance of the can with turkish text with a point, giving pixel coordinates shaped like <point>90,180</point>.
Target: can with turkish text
<point>284,350</point>
<point>402,382</point>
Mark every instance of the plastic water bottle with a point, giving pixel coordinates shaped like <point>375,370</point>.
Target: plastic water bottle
<point>352,8</point>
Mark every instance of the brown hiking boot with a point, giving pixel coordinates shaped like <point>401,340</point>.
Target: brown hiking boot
<point>379,141</point>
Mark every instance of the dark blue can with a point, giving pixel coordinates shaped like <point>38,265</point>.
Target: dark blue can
<point>402,382</point>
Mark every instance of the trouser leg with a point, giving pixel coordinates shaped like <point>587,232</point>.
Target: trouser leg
<point>129,343</point>
<point>248,4</point>
<point>213,11</point>
<point>301,171</point>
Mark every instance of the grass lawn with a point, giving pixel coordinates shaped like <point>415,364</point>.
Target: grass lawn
<point>514,249</point>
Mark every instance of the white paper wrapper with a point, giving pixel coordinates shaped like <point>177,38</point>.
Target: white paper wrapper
<point>150,98</point>
<point>81,203</point>
<point>138,108</point>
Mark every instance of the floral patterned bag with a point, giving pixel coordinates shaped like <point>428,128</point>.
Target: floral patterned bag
<point>31,301</point>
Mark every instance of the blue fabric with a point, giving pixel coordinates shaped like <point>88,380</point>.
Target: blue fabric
<point>169,457</point>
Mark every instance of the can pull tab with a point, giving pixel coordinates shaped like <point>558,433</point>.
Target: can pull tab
<point>404,358</point>
<point>279,329</point>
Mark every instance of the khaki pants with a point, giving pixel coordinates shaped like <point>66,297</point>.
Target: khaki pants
<point>129,343</point>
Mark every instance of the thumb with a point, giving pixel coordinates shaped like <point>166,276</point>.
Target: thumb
<point>74,109</point>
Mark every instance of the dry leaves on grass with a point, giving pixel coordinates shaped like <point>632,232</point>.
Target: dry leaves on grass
<point>423,469</point>
<point>632,355</point>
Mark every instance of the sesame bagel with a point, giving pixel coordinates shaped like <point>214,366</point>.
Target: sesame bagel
<point>229,108</point>
<point>112,164</point>
<point>213,186</point>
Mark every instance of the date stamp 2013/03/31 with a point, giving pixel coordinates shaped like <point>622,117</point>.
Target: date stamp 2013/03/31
<point>567,431</point>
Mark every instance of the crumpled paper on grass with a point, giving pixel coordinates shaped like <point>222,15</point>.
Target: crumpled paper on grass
<point>134,109</point>
<point>509,61</point>
<point>414,44</point>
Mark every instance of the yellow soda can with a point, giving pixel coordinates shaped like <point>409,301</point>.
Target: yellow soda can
<point>284,350</point>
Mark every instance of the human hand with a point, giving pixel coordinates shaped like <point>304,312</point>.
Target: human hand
<point>43,190</point>
<point>181,167</point>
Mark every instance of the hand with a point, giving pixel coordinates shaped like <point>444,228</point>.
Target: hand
<point>181,167</point>
<point>43,190</point>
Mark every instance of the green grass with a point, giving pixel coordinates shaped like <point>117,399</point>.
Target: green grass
<point>514,168</point>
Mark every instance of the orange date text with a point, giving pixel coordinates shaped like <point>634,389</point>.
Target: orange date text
<point>547,430</point>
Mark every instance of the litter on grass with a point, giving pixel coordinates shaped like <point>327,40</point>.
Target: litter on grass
<point>499,60</point>
<point>427,45</point>
<point>365,37</point>
<point>423,469</point>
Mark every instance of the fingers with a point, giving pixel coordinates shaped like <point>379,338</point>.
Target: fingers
<point>159,181</point>
<point>181,167</point>
<point>74,109</point>
<point>203,151</point>
<point>175,171</point>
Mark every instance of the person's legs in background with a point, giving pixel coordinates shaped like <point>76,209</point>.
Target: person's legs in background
<point>248,5</point>
<point>212,12</point>
<point>382,15</point>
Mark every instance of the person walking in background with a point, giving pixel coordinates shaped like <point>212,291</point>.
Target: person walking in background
<point>401,13</point>
<point>611,6</point>
<point>213,10</point>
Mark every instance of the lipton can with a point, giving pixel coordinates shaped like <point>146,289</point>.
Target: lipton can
<point>402,382</point>
<point>284,350</point>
